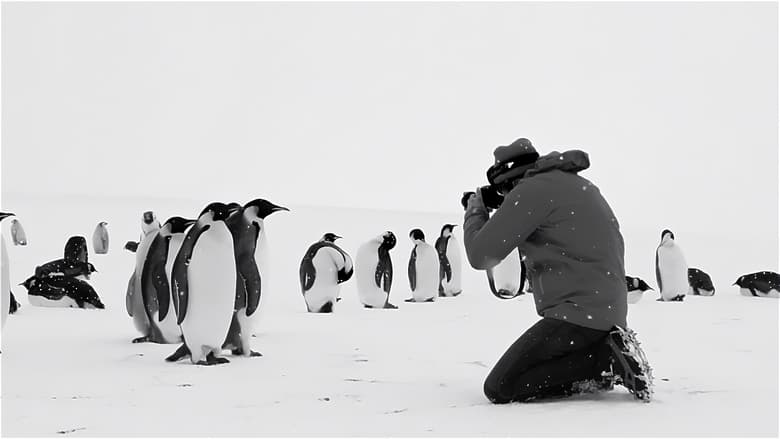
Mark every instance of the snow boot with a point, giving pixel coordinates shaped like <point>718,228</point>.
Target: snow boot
<point>629,366</point>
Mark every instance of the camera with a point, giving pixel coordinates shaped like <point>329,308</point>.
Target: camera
<point>491,196</point>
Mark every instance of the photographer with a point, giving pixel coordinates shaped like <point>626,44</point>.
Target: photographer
<point>574,257</point>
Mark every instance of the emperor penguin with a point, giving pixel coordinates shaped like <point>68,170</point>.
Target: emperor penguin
<point>423,269</point>
<point>507,278</point>
<point>324,267</point>
<point>100,238</point>
<point>450,265</point>
<point>759,284</point>
<point>204,278</point>
<point>700,283</point>
<point>134,300</point>
<point>18,237</point>
<point>247,226</point>
<point>671,270</point>
<point>374,271</point>
<point>636,288</point>
<point>156,290</point>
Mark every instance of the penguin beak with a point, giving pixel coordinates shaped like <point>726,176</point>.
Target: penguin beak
<point>336,237</point>
<point>278,208</point>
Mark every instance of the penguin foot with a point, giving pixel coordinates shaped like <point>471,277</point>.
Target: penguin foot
<point>429,300</point>
<point>389,305</point>
<point>144,339</point>
<point>212,360</point>
<point>239,352</point>
<point>409,300</point>
<point>180,353</point>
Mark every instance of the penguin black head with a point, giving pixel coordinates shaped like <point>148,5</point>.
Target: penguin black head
<point>388,240</point>
<point>76,249</point>
<point>330,237</point>
<point>103,223</point>
<point>665,232</point>
<point>177,224</point>
<point>149,217</point>
<point>4,215</point>
<point>447,228</point>
<point>219,210</point>
<point>417,234</point>
<point>264,207</point>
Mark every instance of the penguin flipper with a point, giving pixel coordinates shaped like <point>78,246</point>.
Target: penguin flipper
<point>413,269</point>
<point>179,270</point>
<point>252,286</point>
<point>307,273</point>
<point>345,273</point>
<point>129,295</point>
<point>658,273</point>
<point>153,279</point>
<point>445,269</point>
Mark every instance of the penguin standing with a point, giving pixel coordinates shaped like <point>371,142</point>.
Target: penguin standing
<point>324,267</point>
<point>450,265</point>
<point>247,226</point>
<point>636,288</point>
<point>423,269</point>
<point>204,281</point>
<point>156,291</point>
<point>700,283</point>
<point>374,271</point>
<point>18,237</point>
<point>671,270</point>
<point>759,284</point>
<point>507,278</point>
<point>100,238</point>
<point>134,299</point>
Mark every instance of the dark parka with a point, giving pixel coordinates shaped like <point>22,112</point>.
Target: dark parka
<point>570,236</point>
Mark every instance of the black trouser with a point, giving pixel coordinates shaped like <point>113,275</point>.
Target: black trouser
<point>546,360</point>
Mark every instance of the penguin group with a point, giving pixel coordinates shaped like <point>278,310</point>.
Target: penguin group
<point>199,282</point>
<point>676,279</point>
<point>433,271</point>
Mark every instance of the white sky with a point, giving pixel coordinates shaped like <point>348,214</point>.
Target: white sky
<point>396,105</point>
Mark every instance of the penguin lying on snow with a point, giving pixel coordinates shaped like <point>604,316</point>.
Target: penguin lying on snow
<point>759,284</point>
<point>700,283</point>
<point>62,292</point>
<point>62,283</point>
<point>636,288</point>
<point>324,267</point>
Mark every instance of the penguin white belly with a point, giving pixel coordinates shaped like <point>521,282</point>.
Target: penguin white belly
<point>365,271</point>
<point>454,257</point>
<point>326,287</point>
<point>635,296</point>
<point>6,282</point>
<point>771,293</point>
<point>211,279</point>
<point>64,302</point>
<point>506,275</point>
<point>673,271</point>
<point>427,271</point>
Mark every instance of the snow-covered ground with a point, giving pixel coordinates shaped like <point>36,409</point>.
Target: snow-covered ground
<point>415,371</point>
